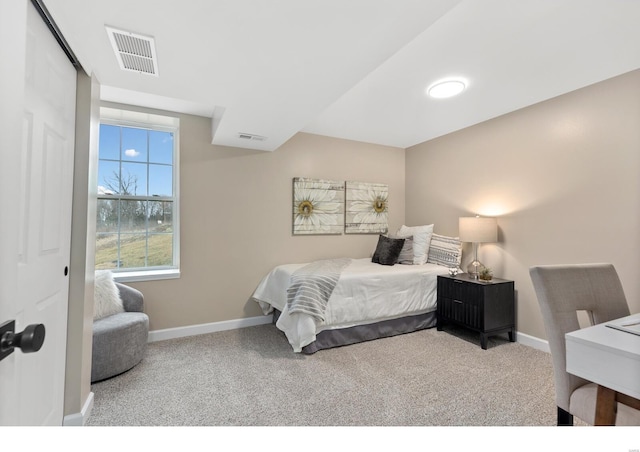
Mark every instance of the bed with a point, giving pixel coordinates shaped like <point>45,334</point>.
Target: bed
<point>369,301</point>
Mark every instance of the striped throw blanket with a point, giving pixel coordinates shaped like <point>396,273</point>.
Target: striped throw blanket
<point>311,286</point>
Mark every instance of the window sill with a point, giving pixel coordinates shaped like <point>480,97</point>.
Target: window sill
<point>146,275</point>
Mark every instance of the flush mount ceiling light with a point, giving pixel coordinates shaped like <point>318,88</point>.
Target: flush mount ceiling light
<point>446,88</point>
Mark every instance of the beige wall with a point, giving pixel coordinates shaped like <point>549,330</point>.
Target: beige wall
<point>562,177</point>
<point>236,212</point>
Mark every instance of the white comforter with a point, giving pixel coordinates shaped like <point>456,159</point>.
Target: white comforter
<point>365,293</point>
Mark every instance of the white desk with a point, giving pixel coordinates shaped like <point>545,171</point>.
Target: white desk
<point>608,357</point>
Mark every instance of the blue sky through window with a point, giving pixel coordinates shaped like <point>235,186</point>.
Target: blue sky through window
<point>141,159</point>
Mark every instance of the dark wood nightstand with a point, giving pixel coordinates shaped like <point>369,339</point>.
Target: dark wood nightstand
<point>484,306</point>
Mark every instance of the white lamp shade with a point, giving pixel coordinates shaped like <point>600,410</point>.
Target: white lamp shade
<point>478,229</point>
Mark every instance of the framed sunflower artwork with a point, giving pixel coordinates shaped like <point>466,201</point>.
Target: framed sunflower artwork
<point>367,208</point>
<point>318,206</point>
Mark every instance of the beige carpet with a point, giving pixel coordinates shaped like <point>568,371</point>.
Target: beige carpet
<point>251,377</point>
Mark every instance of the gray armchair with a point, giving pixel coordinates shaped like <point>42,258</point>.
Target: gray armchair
<point>562,290</point>
<point>120,340</point>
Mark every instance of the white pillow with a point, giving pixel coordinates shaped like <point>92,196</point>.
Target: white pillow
<point>421,240</point>
<point>106,296</point>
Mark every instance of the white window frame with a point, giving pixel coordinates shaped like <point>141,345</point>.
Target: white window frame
<point>136,119</point>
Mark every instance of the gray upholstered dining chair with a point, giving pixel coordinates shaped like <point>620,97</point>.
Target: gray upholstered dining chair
<point>562,291</point>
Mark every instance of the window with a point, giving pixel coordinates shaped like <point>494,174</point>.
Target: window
<point>137,211</point>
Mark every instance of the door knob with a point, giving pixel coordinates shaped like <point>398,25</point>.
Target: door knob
<point>30,340</point>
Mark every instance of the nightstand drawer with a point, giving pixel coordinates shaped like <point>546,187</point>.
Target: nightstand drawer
<point>460,311</point>
<point>459,290</point>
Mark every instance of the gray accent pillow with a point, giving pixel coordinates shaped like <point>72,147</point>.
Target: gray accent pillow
<point>406,255</point>
<point>387,250</point>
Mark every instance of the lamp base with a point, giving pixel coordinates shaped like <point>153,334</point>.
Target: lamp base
<point>473,269</point>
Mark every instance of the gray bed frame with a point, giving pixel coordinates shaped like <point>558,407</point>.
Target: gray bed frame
<point>361,333</point>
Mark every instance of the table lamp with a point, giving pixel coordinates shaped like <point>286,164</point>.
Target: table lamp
<point>477,230</point>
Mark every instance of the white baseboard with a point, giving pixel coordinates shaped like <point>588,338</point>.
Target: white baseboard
<point>79,419</point>
<point>205,328</point>
<point>533,342</point>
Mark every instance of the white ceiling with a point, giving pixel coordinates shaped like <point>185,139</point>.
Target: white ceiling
<point>354,69</point>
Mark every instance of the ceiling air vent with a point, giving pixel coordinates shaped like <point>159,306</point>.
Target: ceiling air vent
<point>250,136</point>
<point>134,52</point>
